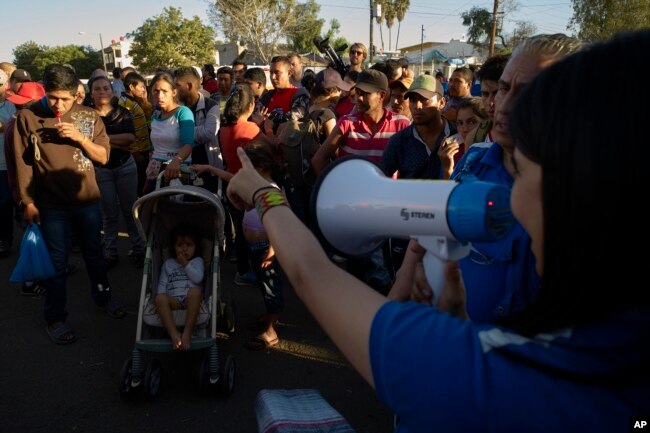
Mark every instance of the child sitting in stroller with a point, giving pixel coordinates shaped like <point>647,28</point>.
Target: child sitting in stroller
<point>180,285</point>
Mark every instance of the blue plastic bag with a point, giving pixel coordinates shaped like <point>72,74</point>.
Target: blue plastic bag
<point>34,262</point>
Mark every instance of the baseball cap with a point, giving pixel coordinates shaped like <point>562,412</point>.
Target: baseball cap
<point>28,92</point>
<point>3,78</point>
<point>404,82</point>
<point>427,86</point>
<point>329,78</point>
<point>372,80</point>
<point>21,76</point>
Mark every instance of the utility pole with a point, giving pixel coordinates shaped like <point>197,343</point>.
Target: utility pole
<point>493,33</point>
<point>371,55</point>
<point>422,51</point>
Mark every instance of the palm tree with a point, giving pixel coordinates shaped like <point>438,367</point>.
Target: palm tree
<point>389,17</point>
<point>401,6</point>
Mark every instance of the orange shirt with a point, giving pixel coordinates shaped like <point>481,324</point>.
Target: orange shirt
<point>232,137</point>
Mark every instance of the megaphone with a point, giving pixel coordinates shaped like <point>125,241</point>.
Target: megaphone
<point>356,208</point>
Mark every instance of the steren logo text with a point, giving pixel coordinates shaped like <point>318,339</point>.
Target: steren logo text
<point>406,214</point>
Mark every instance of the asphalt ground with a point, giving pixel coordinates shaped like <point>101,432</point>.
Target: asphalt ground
<point>74,388</point>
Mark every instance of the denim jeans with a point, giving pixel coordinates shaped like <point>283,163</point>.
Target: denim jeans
<point>6,209</point>
<point>119,191</point>
<point>55,228</point>
<point>270,279</point>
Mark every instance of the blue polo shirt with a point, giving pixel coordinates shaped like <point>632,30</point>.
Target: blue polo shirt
<point>438,373</point>
<point>407,153</point>
<point>500,276</point>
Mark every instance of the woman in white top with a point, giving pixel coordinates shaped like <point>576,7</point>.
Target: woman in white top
<point>172,131</point>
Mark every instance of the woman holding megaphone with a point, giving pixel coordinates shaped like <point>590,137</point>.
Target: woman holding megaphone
<point>576,359</point>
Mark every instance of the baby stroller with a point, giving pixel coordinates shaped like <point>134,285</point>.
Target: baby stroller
<point>156,214</point>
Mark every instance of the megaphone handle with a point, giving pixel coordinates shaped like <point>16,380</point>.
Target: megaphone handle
<point>434,269</point>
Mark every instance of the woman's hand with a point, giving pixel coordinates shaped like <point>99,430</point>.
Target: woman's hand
<point>173,170</point>
<point>242,186</point>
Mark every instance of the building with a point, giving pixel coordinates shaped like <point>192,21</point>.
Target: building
<point>443,56</point>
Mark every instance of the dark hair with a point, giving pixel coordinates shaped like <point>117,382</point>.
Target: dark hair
<point>476,104</point>
<point>389,68</point>
<point>466,73</point>
<point>59,77</point>
<point>282,59</point>
<point>238,62</point>
<point>188,71</point>
<point>226,70</point>
<point>493,67</point>
<point>209,68</point>
<point>256,74</point>
<point>133,78</point>
<point>184,230</point>
<point>117,72</point>
<point>96,78</point>
<point>237,104</point>
<point>264,156</point>
<point>308,80</point>
<point>590,227</point>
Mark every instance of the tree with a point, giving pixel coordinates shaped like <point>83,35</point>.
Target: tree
<point>301,39</point>
<point>479,23</point>
<point>24,55</point>
<point>401,6</point>
<point>34,58</point>
<point>523,30</point>
<point>168,40</point>
<point>333,35</point>
<point>261,25</point>
<point>83,59</point>
<point>389,16</point>
<point>597,20</point>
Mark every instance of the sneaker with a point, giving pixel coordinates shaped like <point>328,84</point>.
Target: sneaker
<point>33,288</point>
<point>5,248</point>
<point>248,279</point>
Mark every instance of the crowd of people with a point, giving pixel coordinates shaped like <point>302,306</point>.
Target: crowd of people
<point>546,328</point>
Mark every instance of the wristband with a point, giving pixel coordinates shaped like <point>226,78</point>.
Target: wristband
<point>261,189</point>
<point>272,197</point>
<point>178,158</point>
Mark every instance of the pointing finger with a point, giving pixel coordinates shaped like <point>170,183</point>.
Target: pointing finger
<point>245,162</point>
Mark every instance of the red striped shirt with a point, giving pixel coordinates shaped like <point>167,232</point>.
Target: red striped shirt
<point>359,140</point>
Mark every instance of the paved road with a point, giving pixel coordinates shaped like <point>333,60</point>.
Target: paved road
<point>49,388</point>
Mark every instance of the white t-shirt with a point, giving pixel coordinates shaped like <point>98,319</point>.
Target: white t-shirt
<point>176,280</point>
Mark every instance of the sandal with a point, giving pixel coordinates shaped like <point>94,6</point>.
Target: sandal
<point>257,343</point>
<point>114,309</point>
<point>60,333</point>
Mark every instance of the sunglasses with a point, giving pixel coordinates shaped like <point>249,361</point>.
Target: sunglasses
<point>358,53</point>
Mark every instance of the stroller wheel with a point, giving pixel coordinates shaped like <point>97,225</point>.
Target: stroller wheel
<point>126,387</point>
<point>227,376</point>
<point>152,378</point>
<point>206,384</point>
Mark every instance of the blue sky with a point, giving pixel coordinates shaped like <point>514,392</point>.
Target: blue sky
<point>52,23</point>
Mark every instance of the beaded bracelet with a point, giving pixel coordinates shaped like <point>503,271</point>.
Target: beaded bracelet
<point>267,199</point>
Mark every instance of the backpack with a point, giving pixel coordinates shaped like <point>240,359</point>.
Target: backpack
<point>299,140</point>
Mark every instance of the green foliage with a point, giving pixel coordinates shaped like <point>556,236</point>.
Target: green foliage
<point>335,40</point>
<point>34,58</point>
<point>168,41</point>
<point>24,55</point>
<point>596,20</point>
<point>309,26</point>
<point>479,25</point>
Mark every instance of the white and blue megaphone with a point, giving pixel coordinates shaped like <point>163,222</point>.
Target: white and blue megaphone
<point>356,208</point>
